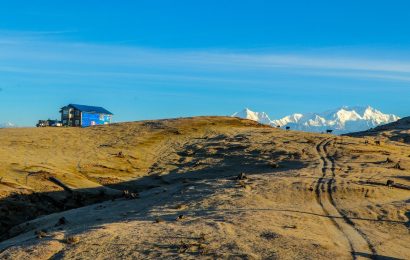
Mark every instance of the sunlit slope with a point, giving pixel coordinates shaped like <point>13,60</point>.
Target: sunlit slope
<point>303,195</point>
<point>91,157</point>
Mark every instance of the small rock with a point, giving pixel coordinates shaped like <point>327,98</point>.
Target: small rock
<point>388,160</point>
<point>61,221</point>
<point>159,220</point>
<point>290,226</point>
<point>398,166</point>
<point>241,176</point>
<point>180,217</point>
<point>390,183</point>
<point>71,240</point>
<point>274,165</point>
<point>130,195</point>
<point>41,233</point>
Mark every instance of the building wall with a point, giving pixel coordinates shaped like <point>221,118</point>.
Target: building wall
<point>70,116</point>
<point>66,116</point>
<point>90,119</point>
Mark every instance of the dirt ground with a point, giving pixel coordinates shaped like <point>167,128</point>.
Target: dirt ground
<point>208,187</point>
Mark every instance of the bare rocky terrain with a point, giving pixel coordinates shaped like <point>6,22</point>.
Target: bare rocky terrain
<point>205,187</point>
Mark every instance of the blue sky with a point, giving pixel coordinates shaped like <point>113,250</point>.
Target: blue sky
<point>159,59</point>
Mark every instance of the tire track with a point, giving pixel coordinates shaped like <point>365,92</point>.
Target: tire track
<point>320,188</point>
<point>323,166</point>
<point>344,216</point>
<point>357,239</point>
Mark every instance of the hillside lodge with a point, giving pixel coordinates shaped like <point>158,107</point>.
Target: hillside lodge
<point>84,116</point>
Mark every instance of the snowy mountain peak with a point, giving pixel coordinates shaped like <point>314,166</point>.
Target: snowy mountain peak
<point>260,117</point>
<point>342,120</point>
<point>344,115</point>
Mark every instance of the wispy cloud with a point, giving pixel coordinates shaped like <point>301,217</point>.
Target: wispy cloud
<point>36,54</point>
<point>47,66</point>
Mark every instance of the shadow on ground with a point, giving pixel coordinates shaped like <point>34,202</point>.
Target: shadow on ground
<point>231,161</point>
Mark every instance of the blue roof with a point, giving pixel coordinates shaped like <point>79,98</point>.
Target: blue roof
<point>91,109</point>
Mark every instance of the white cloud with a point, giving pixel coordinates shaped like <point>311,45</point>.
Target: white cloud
<point>25,53</point>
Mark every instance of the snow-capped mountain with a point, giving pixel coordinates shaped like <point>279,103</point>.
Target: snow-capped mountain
<point>260,117</point>
<point>341,120</point>
<point>7,125</point>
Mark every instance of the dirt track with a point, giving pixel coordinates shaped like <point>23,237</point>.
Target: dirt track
<point>357,240</point>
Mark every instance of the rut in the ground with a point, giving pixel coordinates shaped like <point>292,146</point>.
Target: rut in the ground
<point>358,241</point>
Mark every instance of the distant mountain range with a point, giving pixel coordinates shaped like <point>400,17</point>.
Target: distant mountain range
<point>7,125</point>
<point>341,120</point>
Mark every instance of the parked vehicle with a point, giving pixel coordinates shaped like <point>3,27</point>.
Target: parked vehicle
<point>49,123</point>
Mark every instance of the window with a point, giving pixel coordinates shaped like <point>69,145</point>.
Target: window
<point>77,122</point>
<point>77,113</point>
<point>65,112</point>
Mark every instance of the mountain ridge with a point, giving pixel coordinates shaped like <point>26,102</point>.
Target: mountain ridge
<point>342,120</point>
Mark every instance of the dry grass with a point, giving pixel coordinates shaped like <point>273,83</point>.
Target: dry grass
<point>256,192</point>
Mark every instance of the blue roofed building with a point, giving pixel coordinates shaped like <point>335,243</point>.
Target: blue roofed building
<point>84,116</point>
